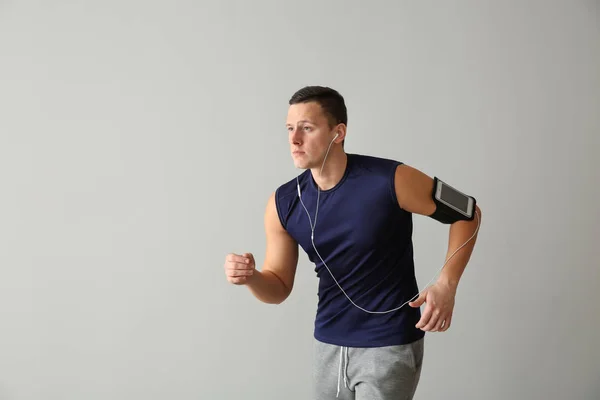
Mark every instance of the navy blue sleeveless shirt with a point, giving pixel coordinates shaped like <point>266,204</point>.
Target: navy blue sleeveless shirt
<point>365,238</point>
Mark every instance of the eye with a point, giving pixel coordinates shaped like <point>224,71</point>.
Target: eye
<point>307,128</point>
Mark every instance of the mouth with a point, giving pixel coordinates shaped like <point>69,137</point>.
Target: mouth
<point>297,152</point>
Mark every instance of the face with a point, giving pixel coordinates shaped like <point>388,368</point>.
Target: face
<point>309,134</point>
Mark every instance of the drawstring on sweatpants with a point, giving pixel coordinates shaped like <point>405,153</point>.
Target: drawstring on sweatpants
<point>343,369</point>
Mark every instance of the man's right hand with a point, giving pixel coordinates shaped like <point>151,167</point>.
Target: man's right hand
<point>239,268</point>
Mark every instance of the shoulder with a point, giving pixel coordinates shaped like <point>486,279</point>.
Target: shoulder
<point>376,168</point>
<point>288,188</point>
<point>406,176</point>
<point>285,196</point>
<point>374,163</point>
<point>287,191</point>
<point>376,174</point>
<point>409,187</point>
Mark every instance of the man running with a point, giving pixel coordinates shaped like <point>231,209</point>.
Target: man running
<point>352,215</point>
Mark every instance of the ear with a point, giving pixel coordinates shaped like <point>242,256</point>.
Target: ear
<point>340,131</point>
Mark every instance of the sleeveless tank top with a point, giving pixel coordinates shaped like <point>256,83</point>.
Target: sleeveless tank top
<point>365,238</point>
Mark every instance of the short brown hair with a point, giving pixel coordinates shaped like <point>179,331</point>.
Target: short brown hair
<point>329,99</point>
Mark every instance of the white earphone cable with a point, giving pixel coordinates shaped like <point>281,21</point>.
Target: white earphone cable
<point>312,238</point>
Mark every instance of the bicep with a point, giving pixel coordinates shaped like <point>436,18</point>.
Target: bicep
<point>413,190</point>
<point>281,256</point>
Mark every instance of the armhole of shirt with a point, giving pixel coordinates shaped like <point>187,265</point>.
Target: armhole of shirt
<point>278,208</point>
<point>393,185</point>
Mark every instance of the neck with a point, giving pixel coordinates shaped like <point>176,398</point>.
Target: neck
<point>333,170</point>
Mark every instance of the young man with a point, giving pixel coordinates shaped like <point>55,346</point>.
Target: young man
<point>352,215</point>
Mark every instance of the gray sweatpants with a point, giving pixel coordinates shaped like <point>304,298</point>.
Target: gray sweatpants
<point>357,373</point>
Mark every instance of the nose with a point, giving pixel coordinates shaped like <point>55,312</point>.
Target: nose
<point>295,136</point>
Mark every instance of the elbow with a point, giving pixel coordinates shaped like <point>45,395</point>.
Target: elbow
<point>281,290</point>
<point>285,289</point>
<point>276,300</point>
<point>283,297</point>
<point>476,221</point>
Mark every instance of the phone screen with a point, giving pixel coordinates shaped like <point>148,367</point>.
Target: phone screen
<point>455,198</point>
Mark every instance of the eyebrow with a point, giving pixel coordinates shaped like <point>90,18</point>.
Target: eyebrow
<point>304,121</point>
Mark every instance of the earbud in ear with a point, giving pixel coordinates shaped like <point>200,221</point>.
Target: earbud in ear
<point>336,135</point>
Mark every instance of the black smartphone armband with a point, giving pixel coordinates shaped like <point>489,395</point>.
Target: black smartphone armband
<point>446,214</point>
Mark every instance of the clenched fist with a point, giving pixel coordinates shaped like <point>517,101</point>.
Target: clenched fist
<point>239,268</point>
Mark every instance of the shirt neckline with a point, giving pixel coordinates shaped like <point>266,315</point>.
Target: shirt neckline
<point>349,159</point>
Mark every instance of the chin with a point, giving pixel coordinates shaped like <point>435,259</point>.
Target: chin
<point>300,165</point>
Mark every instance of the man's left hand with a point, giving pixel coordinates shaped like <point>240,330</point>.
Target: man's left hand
<point>437,315</point>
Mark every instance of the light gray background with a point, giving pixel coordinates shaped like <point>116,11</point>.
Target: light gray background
<point>140,141</point>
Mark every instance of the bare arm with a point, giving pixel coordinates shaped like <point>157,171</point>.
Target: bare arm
<point>274,282</point>
<point>413,190</point>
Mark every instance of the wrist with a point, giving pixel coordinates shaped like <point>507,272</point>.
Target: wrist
<point>449,282</point>
<point>253,279</point>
